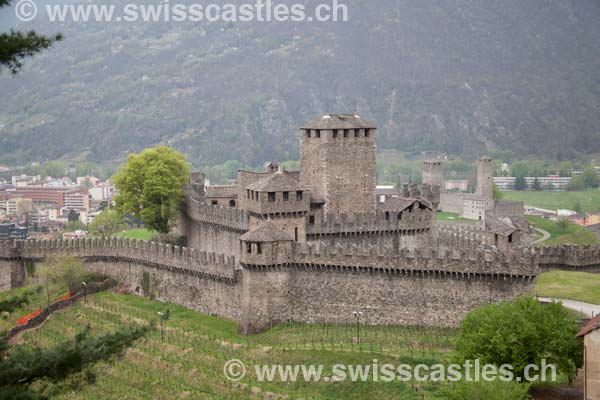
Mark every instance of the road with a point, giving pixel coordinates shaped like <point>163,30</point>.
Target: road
<point>591,310</point>
<point>545,236</point>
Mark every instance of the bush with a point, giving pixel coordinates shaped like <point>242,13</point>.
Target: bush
<point>520,333</point>
<point>495,390</point>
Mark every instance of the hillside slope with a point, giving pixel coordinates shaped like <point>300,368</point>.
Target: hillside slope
<point>459,76</point>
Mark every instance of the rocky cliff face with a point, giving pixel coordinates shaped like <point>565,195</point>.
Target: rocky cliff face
<point>457,76</point>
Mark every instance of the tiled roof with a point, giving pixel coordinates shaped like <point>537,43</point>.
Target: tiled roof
<point>400,203</point>
<point>502,227</point>
<point>339,121</point>
<point>267,232</point>
<point>591,326</point>
<point>277,182</point>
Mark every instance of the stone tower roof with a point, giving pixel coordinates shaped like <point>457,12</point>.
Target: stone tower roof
<point>339,121</point>
<point>267,232</point>
<point>277,182</point>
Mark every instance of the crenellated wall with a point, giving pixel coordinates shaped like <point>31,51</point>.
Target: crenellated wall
<point>316,281</point>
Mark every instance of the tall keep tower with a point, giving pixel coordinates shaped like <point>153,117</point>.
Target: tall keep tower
<point>432,181</point>
<point>485,170</point>
<point>338,163</point>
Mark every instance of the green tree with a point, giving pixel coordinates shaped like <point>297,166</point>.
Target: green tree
<point>590,177</point>
<point>26,365</point>
<point>496,192</point>
<point>565,169</point>
<point>106,224</point>
<point>577,183</point>
<point>520,183</point>
<point>520,169</point>
<point>15,46</point>
<point>150,186</point>
<point>536,184</point>
<point>55,169</point>
<point>521,333</point>
<point>563,223</point>
<point>61,271</point>
<point>577,207</point>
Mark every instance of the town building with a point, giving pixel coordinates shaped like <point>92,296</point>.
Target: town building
<point>591,358</point>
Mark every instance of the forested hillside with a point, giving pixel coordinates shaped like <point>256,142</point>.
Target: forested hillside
<point>458,76</point>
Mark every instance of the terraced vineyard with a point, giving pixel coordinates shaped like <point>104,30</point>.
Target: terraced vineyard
<point>189,363</point>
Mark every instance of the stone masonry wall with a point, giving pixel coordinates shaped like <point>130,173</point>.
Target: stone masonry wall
<point>316,293</point>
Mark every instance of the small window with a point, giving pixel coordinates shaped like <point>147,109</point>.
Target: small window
<point>298,195</point>
<point>335,133</point>
<point>258,248</point>
<point>346,132</point>
<point>295,234</point>
<point>271,197</point>
<point>247,193</point>
<point>308,133</point>
<point>311,219</point>
<point>356,132</point>
<point>367,132</point>
<point>249,248</point>
<point>387,215</point>
<point>399,215</point>
<point>317,134</point>
<point>286,196</point>
<point>231,203</point>
<point>214,202</point>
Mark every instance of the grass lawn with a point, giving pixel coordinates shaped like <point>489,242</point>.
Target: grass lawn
<point>574,234</point>
<point>448,216</point>
<point>581,286</point>
<point>589,199</point>
<point>197,346</point>
<point>141,233</point>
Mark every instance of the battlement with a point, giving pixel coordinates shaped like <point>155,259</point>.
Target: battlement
<point>217,266</point>
<point>569,256</point>
<point>231,218</point>
<point>370,223</point>
<point>486,261</point>
<point>8,250</point>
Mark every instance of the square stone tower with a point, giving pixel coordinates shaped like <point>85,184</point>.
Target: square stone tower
<point>485,171</point>
<point>338,163</point>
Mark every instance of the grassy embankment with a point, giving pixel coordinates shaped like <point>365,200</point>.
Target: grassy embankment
<point>580,286</point>
<point>573,234</point>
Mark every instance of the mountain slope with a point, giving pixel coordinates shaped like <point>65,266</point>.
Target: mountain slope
<point>459,76</point>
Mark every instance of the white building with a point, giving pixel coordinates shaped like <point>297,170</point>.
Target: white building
<point>474,207</point>
<point>101,193</point>
<point>548,183</point>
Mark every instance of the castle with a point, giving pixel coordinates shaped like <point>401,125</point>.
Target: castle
<point>317,244</point>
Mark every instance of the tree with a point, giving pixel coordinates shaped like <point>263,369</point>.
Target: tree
<point>577,207</point>
<point>60,271</point>
<point>25,365</point>
<point>521,333</point>
<point>590,177</point>
<point>565,169</point>
<point>106,224</point>
<point>150,186</point>
<point>73,216</point>
<point>577,183</point>
<point>536,184</point>
<point>496,193</point>
<point>520,183</point>
<point>15,46</point>
<point>563,223</point>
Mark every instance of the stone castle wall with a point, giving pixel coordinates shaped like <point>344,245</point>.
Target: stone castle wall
<point>312,282</point>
